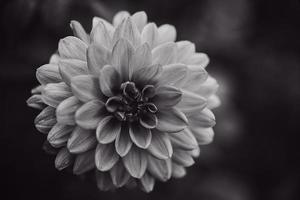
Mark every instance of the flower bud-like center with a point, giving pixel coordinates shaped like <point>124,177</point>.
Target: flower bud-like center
<point>131,102</point>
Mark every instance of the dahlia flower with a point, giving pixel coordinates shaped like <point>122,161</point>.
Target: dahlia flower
<point>126,101</point>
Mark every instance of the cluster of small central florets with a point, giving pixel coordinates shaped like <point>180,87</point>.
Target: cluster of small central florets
<point>133,104</point>
<point>126,101</point>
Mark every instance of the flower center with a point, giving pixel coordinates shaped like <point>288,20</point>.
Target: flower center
<point>131,102</point>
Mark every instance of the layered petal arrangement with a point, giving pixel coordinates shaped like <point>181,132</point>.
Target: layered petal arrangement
<point>126,101</point>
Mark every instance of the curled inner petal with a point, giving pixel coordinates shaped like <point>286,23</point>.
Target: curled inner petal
<point>133,104</point>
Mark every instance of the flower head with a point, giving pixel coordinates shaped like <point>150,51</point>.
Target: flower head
<point>126,101</point>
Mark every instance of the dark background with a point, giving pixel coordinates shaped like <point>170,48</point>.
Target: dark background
<point>254,48</point>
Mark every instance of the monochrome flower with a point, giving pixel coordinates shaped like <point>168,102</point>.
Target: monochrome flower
<point>126,101</point>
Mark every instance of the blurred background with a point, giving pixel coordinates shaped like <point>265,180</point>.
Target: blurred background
<point>254,48</point>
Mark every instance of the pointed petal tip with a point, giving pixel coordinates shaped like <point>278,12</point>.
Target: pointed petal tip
<point>135,162</point>
<point>105,157</point>
<point>140,136</point>
<point>48,73</point>
<point>147,182</point>
<point>149,121</point>
<point>128,30</point>
<point>119,175</point>
<point>72,47</point>
<point>35,101</point>
<point>84,162</point>
<point>171,121</point>
<point>119,17</point>
<point>178,171</point>
<point>63,159</point>
<point>123,142</point>
<point>90,114</point>
<point>160,169</point>
<point>81,140</point>
<point>107,130</point>
<point>79,31</point>
<point>160,146</point>
<point>59,135</point>
<point>182,157</point>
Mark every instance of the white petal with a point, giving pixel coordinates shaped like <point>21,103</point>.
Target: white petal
<point>139,135</point>
<point>36,101</point>
<point>101,36</point>
<point>37,90</point>
<point>173,74</point>
<point>183,140</point>
<point>129,31</point>
<point>79,31</point>
<point>166,96</point>
<point>213,101</point>
<point>183,158</point>
<point>140,19</point>
<point>108,129</point>
<point>121,56</point>
<point>160,169</point>
<point>166,33</point>
<point>69,68</point>
<point>147,75</point>
<point>191,102</point>
<point>97,57</point>
<point>123,142</point>
<point>45,120</point>
<point>81,140</point>
<point>54,58</point>
<point>72,47</point>
<point>48,73</point>
<point>148,120</point>
<point>59,135</point>
<point>106,156</point>
<point>86,88</point>
<point>84,162</point>
<point>150,35</point>
<point>203,135</point>
<point>108,25</point>
<point>171,121</point>
<point>204,119</point>
<point>119,17</point>
<point>104,182</point>
<point>195,152</point>
<point>54,93</point>
<point>160,146</point>
<point>63,159</point>
<point>185,50</point>
<point>65,112</point>
<point>178,171</point>
<point>194,78</point>
<point>141,58</point>
<point>119,175</point>
<point>90,114</point>
<point>165,54</point>
<point>198,59</point>
<point>147,181</point>
<point>110,80</point>
<point>208,88</point>
<point>135,162</point>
